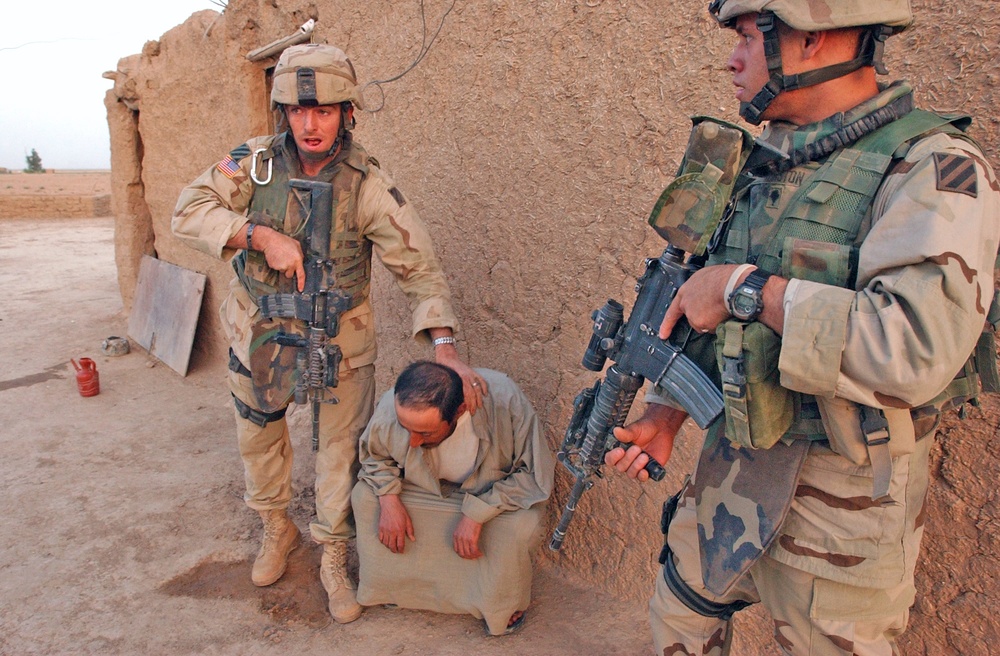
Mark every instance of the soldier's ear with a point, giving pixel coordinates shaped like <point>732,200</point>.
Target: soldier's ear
<point>811,43</point>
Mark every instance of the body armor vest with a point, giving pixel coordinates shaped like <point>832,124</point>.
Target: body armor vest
<point>809,223</point>
<point>350,251</point>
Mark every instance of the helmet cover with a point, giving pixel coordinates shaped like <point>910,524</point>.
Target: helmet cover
<point>314,74</point>
<point>819,15</point>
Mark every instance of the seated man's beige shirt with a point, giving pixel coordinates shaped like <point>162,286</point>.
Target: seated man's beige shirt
<point>510,479</point>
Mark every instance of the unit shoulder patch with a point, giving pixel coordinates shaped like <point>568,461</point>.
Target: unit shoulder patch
<point>240,152</point>
<point>956,173</point>
<point>397,195</point>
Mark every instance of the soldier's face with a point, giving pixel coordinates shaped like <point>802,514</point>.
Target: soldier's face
<point>315,129</point>
<point>424,424</point>
<point>747,62</point>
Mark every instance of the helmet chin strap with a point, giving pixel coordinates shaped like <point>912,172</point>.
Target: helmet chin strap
<point>345,119</point>
<point>337,143</point>
<point>870,54</point>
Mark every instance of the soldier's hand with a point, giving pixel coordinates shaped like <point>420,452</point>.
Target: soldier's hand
<point>283,253</point>
<point>652,435</point>
<point>700,299</point>
<point>466,538</point>
<point>394,524</point>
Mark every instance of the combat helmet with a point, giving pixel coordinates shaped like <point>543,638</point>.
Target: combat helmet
<point>883,17</point>
<point>314,74</point>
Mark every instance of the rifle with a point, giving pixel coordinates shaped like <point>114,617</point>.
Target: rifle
<point>319,305</point>
<point>638,354</point>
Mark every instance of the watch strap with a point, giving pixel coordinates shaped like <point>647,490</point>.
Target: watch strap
<point>752,287</point>
<point>757,279</point>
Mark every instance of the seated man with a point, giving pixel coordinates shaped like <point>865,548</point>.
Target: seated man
<point>468,491</point>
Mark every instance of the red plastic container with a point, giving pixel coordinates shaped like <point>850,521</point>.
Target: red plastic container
<point>87,379</point>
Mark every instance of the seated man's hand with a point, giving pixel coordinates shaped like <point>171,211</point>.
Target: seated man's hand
<point>466,538</point>
<point>652,435</point>
<point>394,524</point>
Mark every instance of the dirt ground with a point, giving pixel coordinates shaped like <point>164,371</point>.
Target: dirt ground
<point>126,532</point>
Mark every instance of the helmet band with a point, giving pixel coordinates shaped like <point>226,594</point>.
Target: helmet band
<point>305,86</point>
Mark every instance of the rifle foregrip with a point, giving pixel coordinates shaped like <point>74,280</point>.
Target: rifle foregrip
<point>654,469</point>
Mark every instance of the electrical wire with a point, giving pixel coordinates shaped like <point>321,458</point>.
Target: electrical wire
<point>425,47</point>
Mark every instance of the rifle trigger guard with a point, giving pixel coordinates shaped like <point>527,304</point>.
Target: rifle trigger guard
<point>253,167</point>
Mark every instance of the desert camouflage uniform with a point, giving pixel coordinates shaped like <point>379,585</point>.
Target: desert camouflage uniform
<point>211,211</point>
<point>795,526</point>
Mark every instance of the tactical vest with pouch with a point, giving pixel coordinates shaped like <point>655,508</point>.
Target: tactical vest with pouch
<point>273,366</point>
<point>349,249</point>
<point>823,214</point>
<point>814,217</point>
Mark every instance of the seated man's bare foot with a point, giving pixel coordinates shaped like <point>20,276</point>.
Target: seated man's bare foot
<point>516,622</point>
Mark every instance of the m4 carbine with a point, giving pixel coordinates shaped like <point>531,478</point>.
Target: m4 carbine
<point>319,305</point>
<point>638,355</point>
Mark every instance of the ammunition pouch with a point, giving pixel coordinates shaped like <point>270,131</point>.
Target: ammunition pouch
<point>759,411</point>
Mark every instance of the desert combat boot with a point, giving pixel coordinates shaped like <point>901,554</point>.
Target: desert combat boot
<point>344,604</point>
<point>281,536</point>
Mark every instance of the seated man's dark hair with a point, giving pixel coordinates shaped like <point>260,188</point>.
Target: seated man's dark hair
<point>426,384</point>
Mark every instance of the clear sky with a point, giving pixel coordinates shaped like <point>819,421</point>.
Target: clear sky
<point>52,55</point>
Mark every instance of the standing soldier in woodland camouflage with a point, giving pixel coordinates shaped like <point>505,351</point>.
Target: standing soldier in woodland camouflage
<point>848,280</point>
<point>241,205</point>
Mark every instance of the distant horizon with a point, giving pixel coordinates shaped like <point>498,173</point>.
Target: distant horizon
<point>8,171</point>
<point>54,66</point>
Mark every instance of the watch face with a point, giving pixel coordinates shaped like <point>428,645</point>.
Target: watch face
<point>744,303</point>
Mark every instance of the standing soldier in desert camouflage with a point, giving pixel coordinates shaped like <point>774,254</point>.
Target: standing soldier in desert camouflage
<point>241,205</point>
<point>848,280</point>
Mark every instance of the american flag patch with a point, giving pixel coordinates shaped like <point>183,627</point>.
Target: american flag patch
<point>956,173</point>
<point>228,167</point>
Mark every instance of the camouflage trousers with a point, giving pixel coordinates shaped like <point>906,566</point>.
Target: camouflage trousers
<point>812,615</point>
<point>267,453</point>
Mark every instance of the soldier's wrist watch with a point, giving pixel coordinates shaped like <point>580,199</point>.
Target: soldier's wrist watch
<point>747,300</point>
